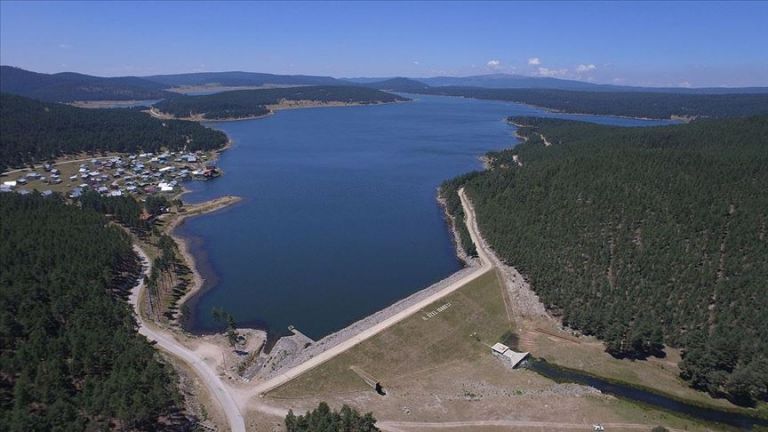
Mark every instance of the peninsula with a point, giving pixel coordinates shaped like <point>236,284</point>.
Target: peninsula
<point>244,104</point>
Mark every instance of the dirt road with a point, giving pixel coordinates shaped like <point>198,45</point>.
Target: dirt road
<point>166,342</point>
<point>234,399</point>
<point>391,426</point>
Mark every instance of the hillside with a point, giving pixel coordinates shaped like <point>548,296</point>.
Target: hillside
<point>629,104</point>
<point>252,103</point>
<point>71,357</point>
<point>643,237</point>
<point>398,85</point>
<point>239,79</point>
<point>70,86</point>
<point>516,81</point>
<point>32,131</point>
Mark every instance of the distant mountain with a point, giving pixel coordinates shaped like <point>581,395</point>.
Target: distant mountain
<point>656,105</point>
<point>70,86</point>
<point>397,85</point>
<point>512,81</point>
<point>509,81</point>
<point>240,79</point>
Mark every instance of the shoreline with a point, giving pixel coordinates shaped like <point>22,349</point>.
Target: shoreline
<point>461,254</point>
<point>273,109</point>
<point>674,117</point>
<point>198,281</point>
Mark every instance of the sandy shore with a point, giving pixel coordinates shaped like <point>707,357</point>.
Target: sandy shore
<point>284,105</point>
<point>191,211</point>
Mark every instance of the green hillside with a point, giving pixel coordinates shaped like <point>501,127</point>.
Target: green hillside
<point>70,86</point>
<point>71,359</point>
<point>629,104</point>
<point>251,103</point>
<point>643,237</point>
<point>32,131</point>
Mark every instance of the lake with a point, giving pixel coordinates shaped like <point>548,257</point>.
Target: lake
<point>339,217</point>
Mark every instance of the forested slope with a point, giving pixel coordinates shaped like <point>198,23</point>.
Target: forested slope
<point>70,86</point>
<point>251,103</point>
<point>629,104</point>
<point>32,131</point>
<point>71,358</point>
<point>643,237</point>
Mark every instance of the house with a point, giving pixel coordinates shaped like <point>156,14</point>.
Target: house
<point>10,184</point>
<point>76,192</point>
<point>513,357</point>
<point>47,193</point>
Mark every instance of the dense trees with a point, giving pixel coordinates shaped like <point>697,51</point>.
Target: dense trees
<point>70,86</point>
<point>250,103</point>
<point>32,131</point>
<point>631,104</point>
<point>124,209</point>
<point>323,419</point>
<point>71,359</point>
<point>643,237</point>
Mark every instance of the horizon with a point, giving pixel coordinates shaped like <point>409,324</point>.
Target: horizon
<point>382,78</point>
<point>624,44</point>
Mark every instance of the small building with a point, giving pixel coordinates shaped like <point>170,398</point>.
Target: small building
<point>513,357</point>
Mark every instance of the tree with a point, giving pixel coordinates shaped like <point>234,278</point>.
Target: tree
<point>323,419</point>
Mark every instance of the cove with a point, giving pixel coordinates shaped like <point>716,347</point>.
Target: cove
<point>339,216</point>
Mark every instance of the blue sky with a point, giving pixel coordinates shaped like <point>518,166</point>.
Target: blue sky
<point>647,43</point>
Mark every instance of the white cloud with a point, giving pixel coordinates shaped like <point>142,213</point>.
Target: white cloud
<point>585,68</point>
<point>65,46</point>
<point>551,72</point>
<point>493,64</point>
<point>534,61</point>
<point>416,62</point>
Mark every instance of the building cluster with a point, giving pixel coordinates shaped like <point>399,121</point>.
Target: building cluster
<point>144,173</point>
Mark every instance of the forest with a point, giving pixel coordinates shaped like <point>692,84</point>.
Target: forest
<point>70,86</point>
<point>251,103</point>
<point>323,419</point>
<point>72,359</point>
<point>33,131</point>
<point>643,237</point>
<point>628,104</point>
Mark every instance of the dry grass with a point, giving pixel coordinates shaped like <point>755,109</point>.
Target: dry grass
<point>436,370</point>
<point>416,343</point>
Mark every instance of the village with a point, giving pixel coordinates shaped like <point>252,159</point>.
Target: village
<point>114,175</point>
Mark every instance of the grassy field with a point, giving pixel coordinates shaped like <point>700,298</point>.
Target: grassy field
<point>462,332</point>
<point>438,368</point>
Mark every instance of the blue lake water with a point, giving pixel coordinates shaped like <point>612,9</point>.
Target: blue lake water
<point>339,217</point>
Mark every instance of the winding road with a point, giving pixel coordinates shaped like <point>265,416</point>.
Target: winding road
<point>233,400</point>
<point>165,341</point>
